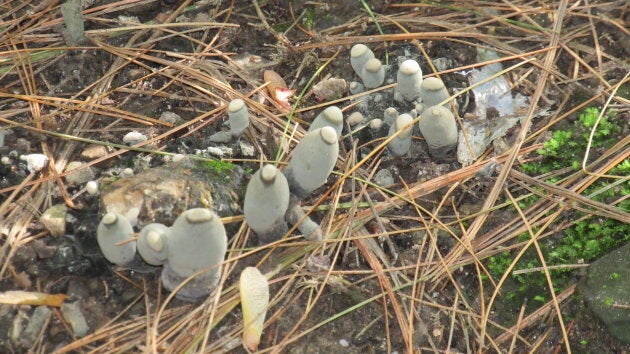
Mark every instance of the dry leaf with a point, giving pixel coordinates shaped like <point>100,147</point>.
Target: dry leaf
<point>31,298</point>
<point>254,290</point>
<point>278,89</point>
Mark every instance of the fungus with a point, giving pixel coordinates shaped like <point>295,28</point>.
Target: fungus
<point>152,243</point>
<point>356,87</point>
<point>409,79</point>
<point>389,115</point>
<point>373,74</point>
<point>400,145</point>
<point>114,235</point>
<point>376,124</point>
<point>238,117</point>
<point>305,225</point>
<point>266,202</point>
<point>438,127</point>
<point>313,159</point>
<point>238,121</point>
<point>198,242</point>
<point>254,290</point>
<point>433,91</point>
<point>359,55</point>
<point>329,117</point>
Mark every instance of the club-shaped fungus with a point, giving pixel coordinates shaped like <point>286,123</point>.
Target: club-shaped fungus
<point>313,159</point>
<point>115,239</point>
<point>198,242</point>
<point>359,55</point>
<point>238,117</point>
<point>373,74</point>
<point>409,79</point>
<point>153,243</point>
<point>400,145</point>
<point>266,202</point>
<point>433,91</point>
<point>329,117</point>
<point>439,129</point>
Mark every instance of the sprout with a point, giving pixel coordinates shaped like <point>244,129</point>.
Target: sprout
<point>254,289</point>
<point>153,243</point>
<point>400,145</point>
<point>330,117</point>
<point>373,74</point>
<point>198,242</point>
<point>433,91</point>
<point>313,159</point>
<point>409,79</point>
<point>114,235</point>
<point>438,127</point>
<point>266,202</point>
<point>359,55</point>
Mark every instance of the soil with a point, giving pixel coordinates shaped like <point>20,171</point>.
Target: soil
<point>72,263</point>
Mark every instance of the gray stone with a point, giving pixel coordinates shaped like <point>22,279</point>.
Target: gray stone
<point>35,324</point>
<point>54,219</point>
<point>606,291</point>
<point>161,194</point>
<point>384,178</point>
<point>81,176</point>
<point>71,312</point>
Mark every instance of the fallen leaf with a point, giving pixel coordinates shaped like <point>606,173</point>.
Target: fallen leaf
<point>278,89</point>
<point>19,297</point>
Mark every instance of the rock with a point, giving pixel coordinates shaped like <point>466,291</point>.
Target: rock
<point>81,176</point>
<point>72,314</point>
<point>607,284</point>
<point>384,178</point>
<point>170,117</point>
<point>330,89</point>
<point>54,219</point>
<point>34,327</point>
<point>93,152</point>
<point>160,194</point>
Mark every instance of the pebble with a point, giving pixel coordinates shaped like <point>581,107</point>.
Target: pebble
<point>344,343</point>
<point>34,327</point>
<point>54,219</point>
<point>71,312</point>
<point>355,118</point>
<point>81,176</point>
<point>134,137</point>
<point>170,117</point>
<point>34,162</point>
<point>92,187</point>
<point>384,178</point>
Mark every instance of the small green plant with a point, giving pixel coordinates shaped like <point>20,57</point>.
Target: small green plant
<point>586,238</point>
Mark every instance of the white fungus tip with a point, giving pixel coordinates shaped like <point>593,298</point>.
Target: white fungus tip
<point>154,240</point>
<point>236,105</point>
<point>358,50</point>
<point>329,135</point>
<point>409,67</point>
<point>373,65</point>
<point>268,173</point>
<point>109,218</point>
<point>333,114</point>
<point>432,84</point>
<point>199,215</point>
